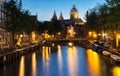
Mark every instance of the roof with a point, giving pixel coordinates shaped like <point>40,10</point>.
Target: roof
<point>73,22</point>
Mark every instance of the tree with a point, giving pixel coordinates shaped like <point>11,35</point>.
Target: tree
<point>27,23</point>
<point>43,26</point>
<point>105,17</point>
<point>54,27</point>
<point>113,3</point>
<point>13,14</point>
<point>103,12</point>
<point>114,16</point>
<point>92,20</point>
<point>18,20</point>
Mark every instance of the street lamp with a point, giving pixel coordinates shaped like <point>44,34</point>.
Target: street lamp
<point>59,33</point>
<point>119,35</point>
<point>95,35</point>
<point>21,35</point>
<point>117,40</point>
<point>90,34</point>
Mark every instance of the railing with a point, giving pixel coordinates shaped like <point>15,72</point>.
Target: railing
<point>66,39</point>
<point>10,56</point>
<point>6,52</point>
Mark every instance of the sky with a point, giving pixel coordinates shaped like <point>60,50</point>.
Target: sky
<point>45,8</point>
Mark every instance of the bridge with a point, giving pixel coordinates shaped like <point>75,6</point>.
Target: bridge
<point>66,39</point>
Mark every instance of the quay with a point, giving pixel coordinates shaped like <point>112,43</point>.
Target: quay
<point>10,56</point>
<point>14,54</point>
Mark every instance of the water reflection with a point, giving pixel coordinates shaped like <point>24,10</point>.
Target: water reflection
<point>45,58</point>
<point>116,71</point>
<point>72,60</point>
<point>66,61</point>
<point>45,53</point>
<point>34,65</point>
<point>60,59</point>
<point>22,67</point>
<point>93,63</point>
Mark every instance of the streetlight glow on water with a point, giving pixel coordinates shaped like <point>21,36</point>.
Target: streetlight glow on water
<point>64,61</point>
<point>93,63</point>
<point>34,65</point>
<point>22,67</point>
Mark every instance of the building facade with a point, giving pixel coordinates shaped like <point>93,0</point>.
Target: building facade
<point>73,27</point>
<point>4,35</point>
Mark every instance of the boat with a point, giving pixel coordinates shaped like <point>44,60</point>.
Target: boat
<point>115,58</point>
<point>106,53</point>
<point>96,48</point>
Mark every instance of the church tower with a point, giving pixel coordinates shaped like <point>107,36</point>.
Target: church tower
<point>61,16</point>
<point>74,13</point>
<point>54,16</point>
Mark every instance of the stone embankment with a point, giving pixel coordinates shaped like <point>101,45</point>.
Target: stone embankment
<point>12,55</point>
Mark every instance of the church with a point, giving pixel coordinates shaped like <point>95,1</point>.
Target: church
<point>73,27</point>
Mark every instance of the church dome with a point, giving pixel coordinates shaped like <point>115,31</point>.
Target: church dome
<point>74,13</point>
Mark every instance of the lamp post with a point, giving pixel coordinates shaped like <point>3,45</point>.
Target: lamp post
<point>90,34</point>
<point>117,36</point>
<point>117,40</point>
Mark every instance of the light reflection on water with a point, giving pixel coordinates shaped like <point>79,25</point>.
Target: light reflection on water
<point>34,65</point>
<point>45,54</point>
<point>72,61</point>
<point>22,67</point>
<point>93,63</point>
<point>66,61</point>
<point>60,59</point>
<point>45,58</point>
<point>116,71</point>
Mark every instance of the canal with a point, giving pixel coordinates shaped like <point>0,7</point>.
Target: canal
<point>62,60</point>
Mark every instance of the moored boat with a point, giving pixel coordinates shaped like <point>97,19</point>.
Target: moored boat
<point>115,58</point>
<point>106,53</point>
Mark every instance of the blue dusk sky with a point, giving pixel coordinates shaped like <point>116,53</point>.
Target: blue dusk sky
<point>45,8</point>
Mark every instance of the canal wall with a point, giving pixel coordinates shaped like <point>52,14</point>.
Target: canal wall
<point>15,54</point>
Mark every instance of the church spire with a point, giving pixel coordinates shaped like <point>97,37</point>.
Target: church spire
<point>54,16</point>
<point>61,16</point>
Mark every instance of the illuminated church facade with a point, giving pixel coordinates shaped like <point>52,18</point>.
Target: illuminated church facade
<point>73,27</point>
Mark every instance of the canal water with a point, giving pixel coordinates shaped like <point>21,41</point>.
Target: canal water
<point>61,60</point>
